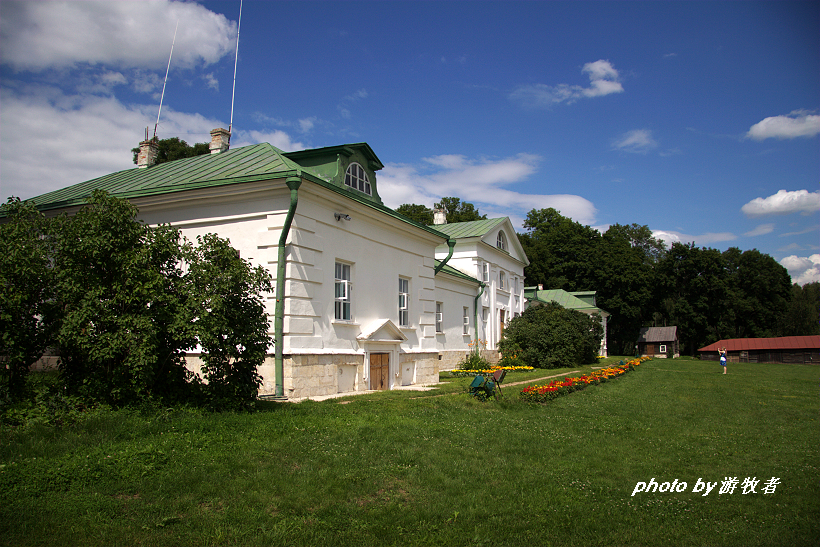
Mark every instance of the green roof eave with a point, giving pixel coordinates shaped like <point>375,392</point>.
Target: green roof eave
<point>457,273</point>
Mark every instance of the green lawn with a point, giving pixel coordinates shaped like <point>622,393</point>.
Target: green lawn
<point>437,468</point>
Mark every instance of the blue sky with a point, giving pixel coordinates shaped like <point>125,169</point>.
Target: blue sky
<point>697,119</point>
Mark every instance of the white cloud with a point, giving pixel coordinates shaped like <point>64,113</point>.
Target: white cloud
<point>784,203</point>
<point>50,140</point>
<point>478,181</point>
<point>763,229</point>
<point>603,80</point>
<point>277,138</point>
<point>670,237</point>
<point>802,269</point>
<point>798,123</point>
<point>637,141</point>
<point>211,81</point>
<point>39,35</point>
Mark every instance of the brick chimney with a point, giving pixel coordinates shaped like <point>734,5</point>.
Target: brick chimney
<point>220,140</point>
<point>147,155</point>
<point>439,217</point>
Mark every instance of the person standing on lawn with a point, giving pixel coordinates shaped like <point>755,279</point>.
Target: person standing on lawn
<point>723,358</point>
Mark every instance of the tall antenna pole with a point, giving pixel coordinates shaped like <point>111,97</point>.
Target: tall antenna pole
<point>235,62</point>
<point>166,77</point>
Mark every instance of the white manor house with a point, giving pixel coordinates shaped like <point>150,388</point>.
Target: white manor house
<point>367,298</point>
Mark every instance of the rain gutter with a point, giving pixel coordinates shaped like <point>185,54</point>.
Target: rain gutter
<point>279,313</point>
<point>451,243</point>
<point>475,312</point>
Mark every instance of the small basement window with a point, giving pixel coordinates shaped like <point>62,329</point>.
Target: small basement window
<point>356,178</point>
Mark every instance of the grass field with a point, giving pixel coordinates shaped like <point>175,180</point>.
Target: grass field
<point>437,468</point>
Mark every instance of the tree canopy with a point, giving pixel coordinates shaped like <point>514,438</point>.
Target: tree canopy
<point>455,210</point>
<point>175,149</point>
<point>123,302</point>
<point>708,294</point>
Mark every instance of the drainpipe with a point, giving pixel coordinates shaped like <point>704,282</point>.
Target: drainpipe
<point>452,244</point>
<point>279,314</point>
<point>475,312</point>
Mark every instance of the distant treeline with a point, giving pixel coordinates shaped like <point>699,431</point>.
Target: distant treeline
<point>709,295</point>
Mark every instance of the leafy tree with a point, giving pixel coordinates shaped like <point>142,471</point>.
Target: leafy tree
<point>135,299</point>
<point>801,318</point>
<point>458,211</point>
<point>419,213</point>
<point>231,322</point>
<point>625,270</point>
<point>562,252</point>
<point>691,284</point>
<point>27,310</point>
<point>759,294</point>
<point>551,336</point>
<point>175,149</point>
<point>122,337</point>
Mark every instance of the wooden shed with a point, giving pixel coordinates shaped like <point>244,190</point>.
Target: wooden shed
<point>786,349</point>
<point>659,342</point>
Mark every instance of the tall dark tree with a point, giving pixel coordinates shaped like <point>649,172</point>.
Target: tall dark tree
<point>691,285</point>
<point>27,309</point>
<point>801,317</point>
<point>562,252</point>
<point>419,213</point>
<point>175,149</point>
<point>759,294</point>
<point>625,277</point>
<point>458,211</point>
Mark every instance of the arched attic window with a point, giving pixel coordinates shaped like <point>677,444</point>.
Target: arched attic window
<point>501,242</point>
<point>356,178</point>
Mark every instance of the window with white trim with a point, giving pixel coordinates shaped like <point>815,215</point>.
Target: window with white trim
<point>465,320</point>
<point>501,241</point>
<point>404,302</point>
<point>502,281</point>
<point>483,272</point>
<point>356,178</point>
<point>663,348</point>
<point>439,317</point>
<point>342,289</point>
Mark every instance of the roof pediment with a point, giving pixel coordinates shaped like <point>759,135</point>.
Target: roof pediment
<point>381,330</point>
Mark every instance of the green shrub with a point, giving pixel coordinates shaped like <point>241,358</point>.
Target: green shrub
<point>474,361</point>
<point>551,336</point>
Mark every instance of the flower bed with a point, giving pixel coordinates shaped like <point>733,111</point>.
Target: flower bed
<point>565,386</point>
<point>460,373</point>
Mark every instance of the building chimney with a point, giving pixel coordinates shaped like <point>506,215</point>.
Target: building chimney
<point>147,155</point>
<point>439,217</point>
<point>220,140</point>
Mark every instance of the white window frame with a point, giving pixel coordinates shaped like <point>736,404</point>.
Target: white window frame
<point>465,320</point>
<point>404,302</point>
<point>356,178</point>
<point>342,287</point>
<point>501,240</point>
<point>439,317</point>
<point>662,348</point>
<point>483,272</point>
<point>502,280</point>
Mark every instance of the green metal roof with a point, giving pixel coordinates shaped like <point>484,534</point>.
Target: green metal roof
<point>246,164</point>
<point>473,228</point>
<point>239,165</point>
<point>457,273</point>
<point>559,296</point>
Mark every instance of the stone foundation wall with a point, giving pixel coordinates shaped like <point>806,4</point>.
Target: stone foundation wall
<point>450,359</point>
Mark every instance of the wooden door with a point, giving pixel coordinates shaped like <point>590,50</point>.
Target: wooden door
<point>502,319</point>
<point>379,369</point>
